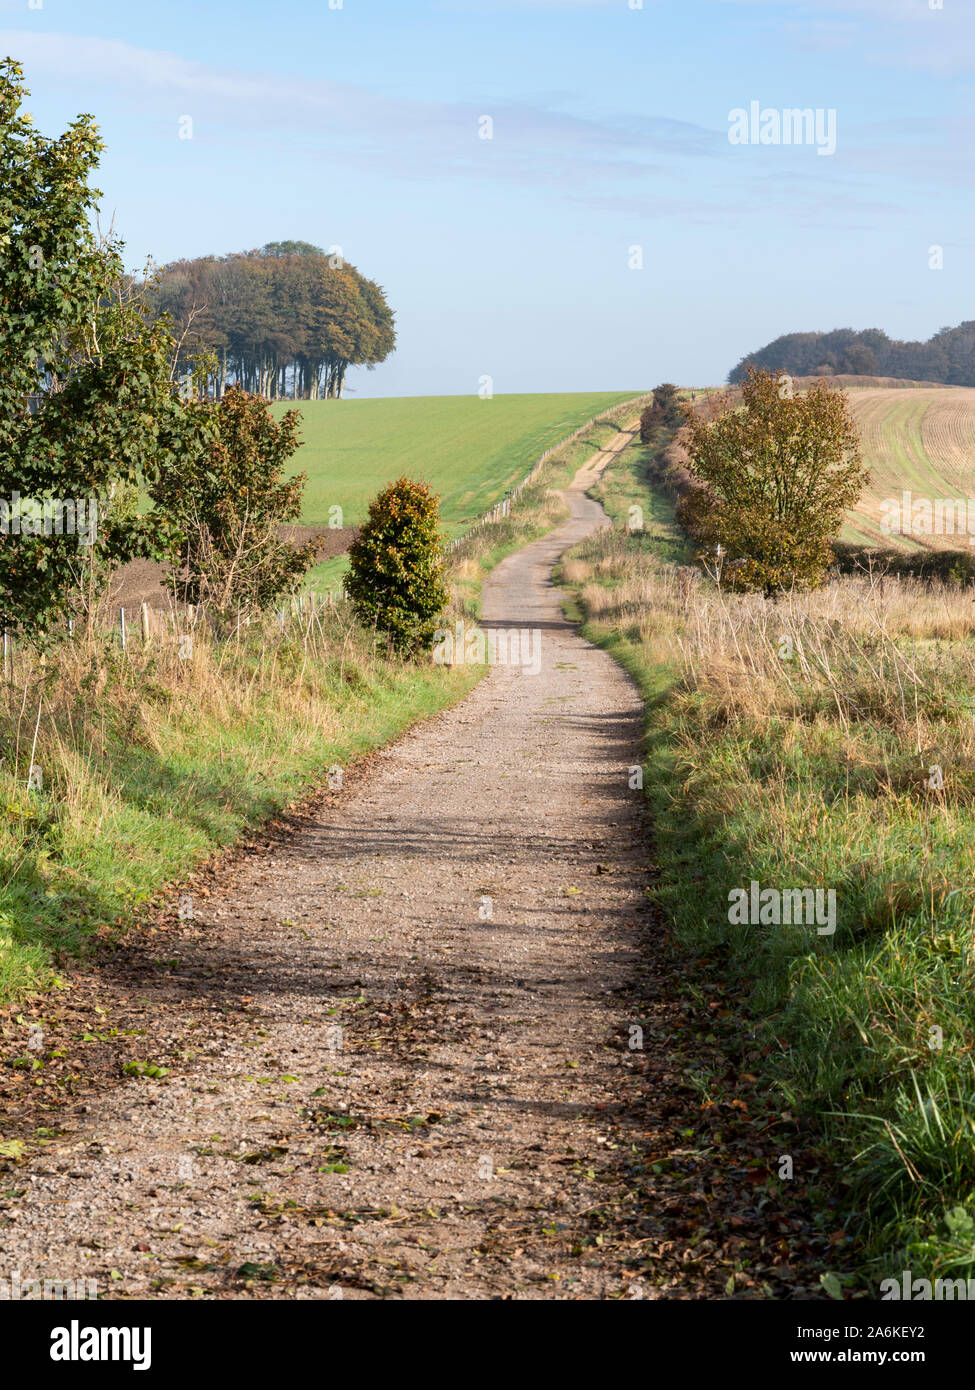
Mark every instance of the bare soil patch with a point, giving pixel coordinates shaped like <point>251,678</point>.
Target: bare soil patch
<point>143,581</point>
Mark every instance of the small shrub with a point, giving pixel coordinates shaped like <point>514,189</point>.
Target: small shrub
<point>396,577</point>
<point>665,411</point>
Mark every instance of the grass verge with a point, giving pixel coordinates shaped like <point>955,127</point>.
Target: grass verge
<point>823,742</point>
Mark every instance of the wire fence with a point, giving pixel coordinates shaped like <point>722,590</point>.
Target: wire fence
<point>145,623</point>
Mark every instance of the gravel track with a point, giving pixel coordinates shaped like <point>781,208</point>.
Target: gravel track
<point>397,1036</point>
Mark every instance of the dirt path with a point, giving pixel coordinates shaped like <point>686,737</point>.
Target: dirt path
<point>397,1037</point>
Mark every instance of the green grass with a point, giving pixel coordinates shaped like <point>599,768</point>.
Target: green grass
<point>327,577</point>
<point>471,451</point>
<point>627,497</point>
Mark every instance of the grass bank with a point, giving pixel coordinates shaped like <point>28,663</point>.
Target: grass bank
<point>823,742</point>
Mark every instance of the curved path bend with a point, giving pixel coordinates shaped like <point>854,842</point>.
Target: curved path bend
<point>397,1039</point>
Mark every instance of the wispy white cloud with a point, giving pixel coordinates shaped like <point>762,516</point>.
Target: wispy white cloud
<point>612,161</point>
<point>894,33</point>
<point>407,134</point>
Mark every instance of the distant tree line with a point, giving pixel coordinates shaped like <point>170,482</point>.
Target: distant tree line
<point>947,357</point>
<point>288,320</point>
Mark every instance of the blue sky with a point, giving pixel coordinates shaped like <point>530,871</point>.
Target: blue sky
<point>358,125</point>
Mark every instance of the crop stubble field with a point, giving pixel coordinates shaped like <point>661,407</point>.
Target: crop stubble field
<point>922,440</point>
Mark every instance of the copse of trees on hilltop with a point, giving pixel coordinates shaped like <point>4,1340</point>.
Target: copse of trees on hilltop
<point>288,320</point>
<point>949,356</point>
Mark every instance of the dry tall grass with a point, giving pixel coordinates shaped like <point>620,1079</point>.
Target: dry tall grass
<point>900,637</point>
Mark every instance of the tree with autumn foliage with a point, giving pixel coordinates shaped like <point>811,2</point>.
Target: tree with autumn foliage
<point>777,471</point>
<point>226,503</point>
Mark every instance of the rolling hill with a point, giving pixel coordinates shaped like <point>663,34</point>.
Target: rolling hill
<point>469,450</point>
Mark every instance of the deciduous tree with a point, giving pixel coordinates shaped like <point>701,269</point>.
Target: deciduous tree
<point>778,472</point>
<point>226,503</point>
<point>87,405</point>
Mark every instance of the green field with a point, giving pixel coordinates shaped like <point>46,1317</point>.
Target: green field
<point>469,450</point>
